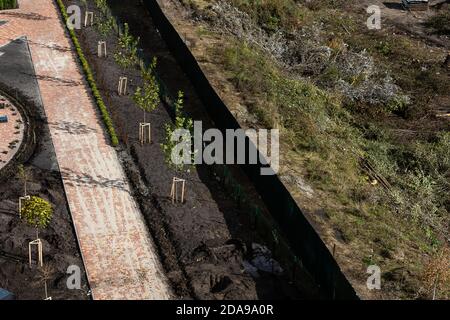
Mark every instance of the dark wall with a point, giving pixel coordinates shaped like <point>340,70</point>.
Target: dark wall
<point>303,239</point>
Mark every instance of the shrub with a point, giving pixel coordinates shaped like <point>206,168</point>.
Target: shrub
<point>37,212</point>
<point>105,26</point>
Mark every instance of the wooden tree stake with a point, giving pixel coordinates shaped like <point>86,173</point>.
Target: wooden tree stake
<point>175,190</point>
<point>145,132</point>
<point>102,49</point>
<point>46,291</point>
<point>123,84</point>
<point>38,244</point>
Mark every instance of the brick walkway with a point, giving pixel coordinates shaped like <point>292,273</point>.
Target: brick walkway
<point>118,252</point>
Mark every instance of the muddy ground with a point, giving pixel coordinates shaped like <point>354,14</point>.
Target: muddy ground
<point>59,241</point>
<point>205,244</point>
<point>60,249</point>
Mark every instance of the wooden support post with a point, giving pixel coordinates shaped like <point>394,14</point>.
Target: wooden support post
<point>175,190</point>
<point>123,84</point>
<point>20,204</point>
<point>102,49</point>
<point>38,244</point>
<point>46,291</point>
<point>145,133</point>
<point>89,18</point>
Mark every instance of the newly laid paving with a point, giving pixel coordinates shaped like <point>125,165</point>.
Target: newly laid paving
<point>119,255</point>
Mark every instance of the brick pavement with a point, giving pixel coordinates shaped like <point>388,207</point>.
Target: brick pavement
<point>119,255</point>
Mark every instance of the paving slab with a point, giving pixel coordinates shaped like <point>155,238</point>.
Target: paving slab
<point>11,132</point>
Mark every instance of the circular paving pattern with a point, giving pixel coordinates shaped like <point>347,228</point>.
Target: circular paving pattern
<point>11,132</point>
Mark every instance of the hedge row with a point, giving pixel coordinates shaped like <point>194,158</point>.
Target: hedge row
<point>8,4</point>
<point>90,78</point>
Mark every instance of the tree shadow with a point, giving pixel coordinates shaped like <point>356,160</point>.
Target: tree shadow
<point>51,46</point>
<point>60,81</point>
<point>73,127</point>
<point>83,179</point>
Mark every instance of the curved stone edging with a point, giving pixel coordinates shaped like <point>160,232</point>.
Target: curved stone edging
<point>30,133</point>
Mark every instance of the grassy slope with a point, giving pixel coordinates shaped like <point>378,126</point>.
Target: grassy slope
<point>396,221</point>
